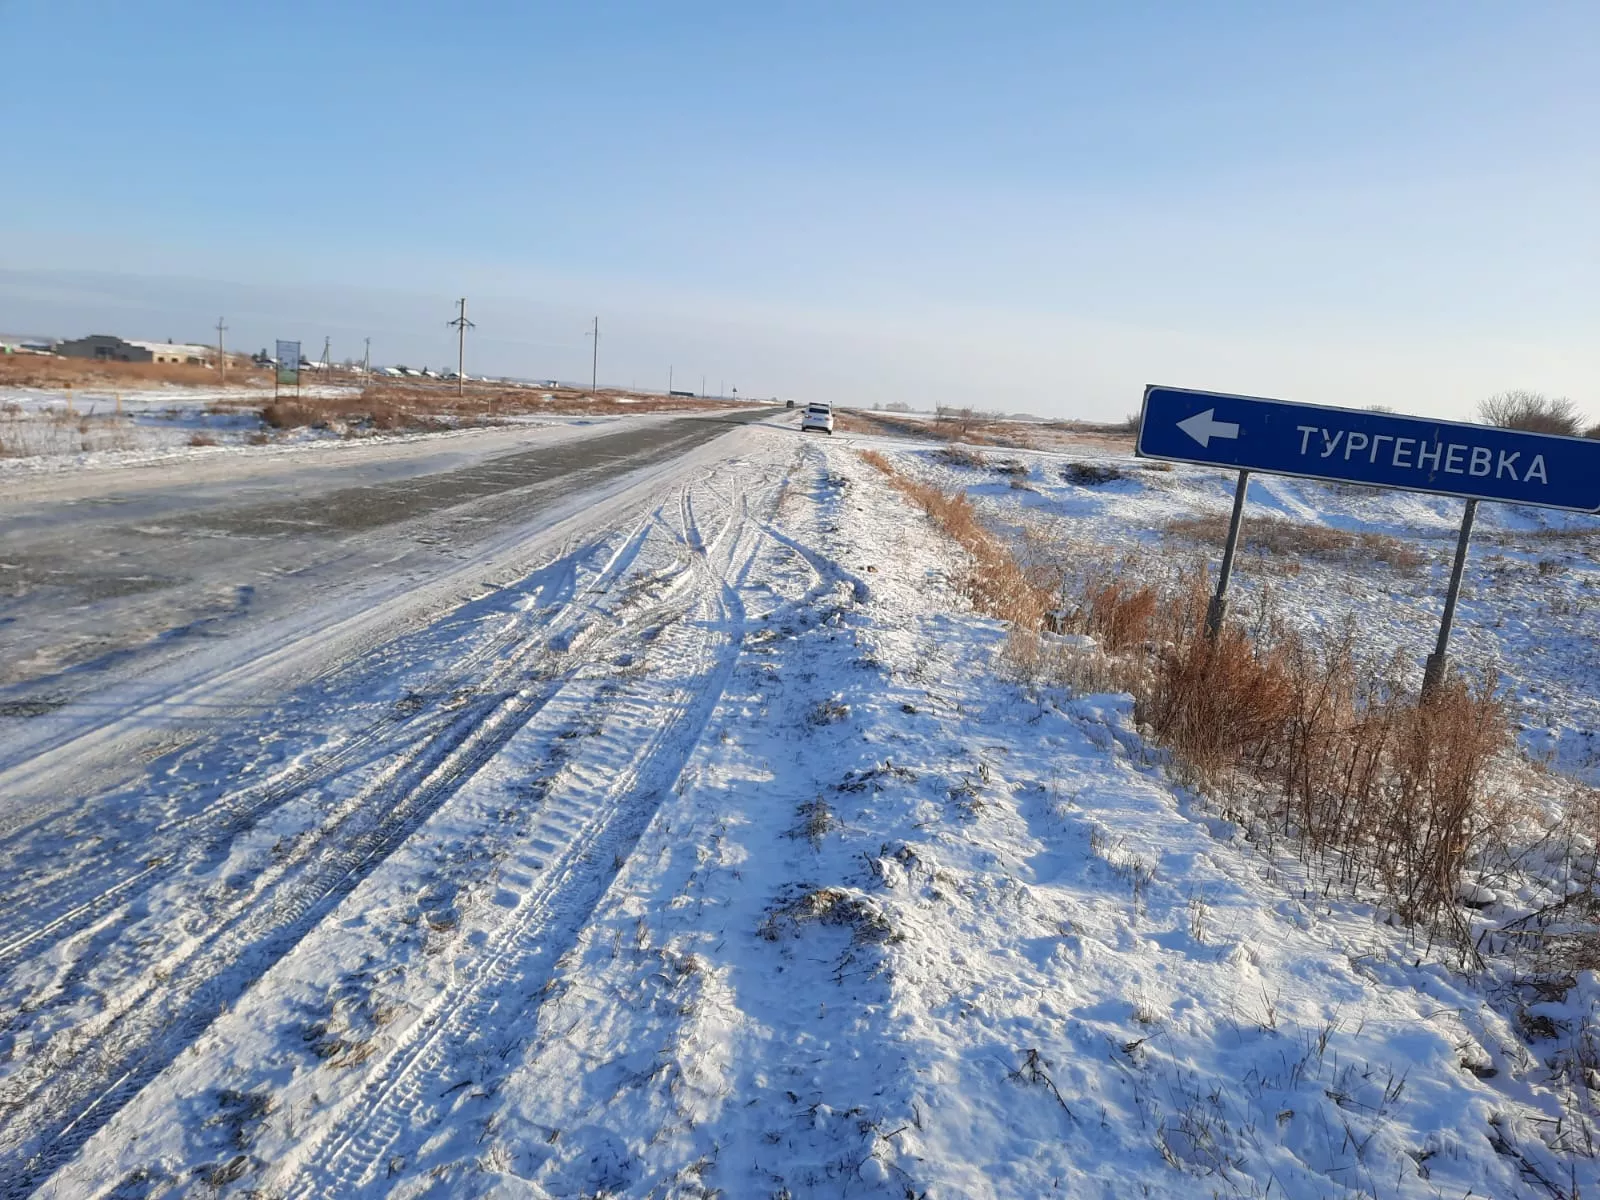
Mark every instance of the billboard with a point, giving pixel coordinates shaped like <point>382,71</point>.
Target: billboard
<point>288,364</point>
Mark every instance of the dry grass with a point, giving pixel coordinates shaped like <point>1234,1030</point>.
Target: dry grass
<point>1390,794</point>
<point>994,582</point>
<point>868,924</point>
<point>48,371</point>
<point>1217,703</point>
<point>489,401</point>
<point>25,435</point>
<point>1278,536</point>
<point>1121,615</point>
<point>979,429</point>
<point>848,420</point>
<point>389,407</point>
<point>948,427</point>
<point>1573,533</point>
<point>960,456</point>
<point>1088,474</point>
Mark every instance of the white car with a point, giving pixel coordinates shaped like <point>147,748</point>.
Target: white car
<point>818,417</point>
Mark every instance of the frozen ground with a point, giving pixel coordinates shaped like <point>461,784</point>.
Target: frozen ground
<point>692,844</point>
<point>1529,602</point>
<point>59,428</point>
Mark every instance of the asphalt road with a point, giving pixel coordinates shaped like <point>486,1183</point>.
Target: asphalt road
<point>104,573</point>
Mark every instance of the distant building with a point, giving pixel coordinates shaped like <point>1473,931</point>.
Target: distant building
<point>19,343</point>
<point>179,352</point>
<point>106,348</point>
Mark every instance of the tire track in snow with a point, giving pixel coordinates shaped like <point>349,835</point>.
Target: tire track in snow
<point>155,708</point>
<point>153,1020</point>
<point>207,833</point>
<point>409,1092</point>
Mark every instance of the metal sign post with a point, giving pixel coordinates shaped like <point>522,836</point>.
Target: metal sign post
<point>1217,610</point>
<point>1433,671</point>
<point>1341,445</point>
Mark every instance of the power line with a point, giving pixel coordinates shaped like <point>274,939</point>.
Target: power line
<point>461,325</point>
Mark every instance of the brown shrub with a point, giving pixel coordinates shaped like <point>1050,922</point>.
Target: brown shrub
<point>960,456</point>
<point>1434,811</point>
<point>1120,615</point>
<point>1218,703</point>
<point>1279,536</point>
<point>202,439</point>
<point>1357,771</point>
<point>386,416</point>
<point>290,414</point>
<point>1363,775</point>
<point>1088,474</point>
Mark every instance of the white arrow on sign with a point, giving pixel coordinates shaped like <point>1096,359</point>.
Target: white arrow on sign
<point>1202,427</point>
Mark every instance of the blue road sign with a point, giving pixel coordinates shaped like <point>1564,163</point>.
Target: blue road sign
<point>1348,445</point>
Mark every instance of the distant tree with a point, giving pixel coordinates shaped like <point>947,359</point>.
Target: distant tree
<point>1131,424</point>
<point>897,406</point>
<point>1593,431</point>
<point>1533,412</point>
<point>962,418</point>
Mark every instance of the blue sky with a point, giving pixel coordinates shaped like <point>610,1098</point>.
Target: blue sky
<point>1037,207</point>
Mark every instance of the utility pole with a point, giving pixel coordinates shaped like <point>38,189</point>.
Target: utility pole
<point>594,366</point>
<point>366,360</point>
<point>461,325</point>
<point>222,360</point>
<point>327,342</point>
<point>669,379</point>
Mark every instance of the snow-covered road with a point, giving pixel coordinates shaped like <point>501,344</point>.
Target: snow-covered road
<point>689,840</point>
<point>228,574</point>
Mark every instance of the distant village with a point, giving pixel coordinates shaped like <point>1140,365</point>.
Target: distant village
<point>109,348</point>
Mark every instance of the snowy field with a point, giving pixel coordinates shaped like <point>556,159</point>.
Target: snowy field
<point>93,426</point>
<point>57,429</point>
<point>701,846</point>
<point>1528,607</point>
